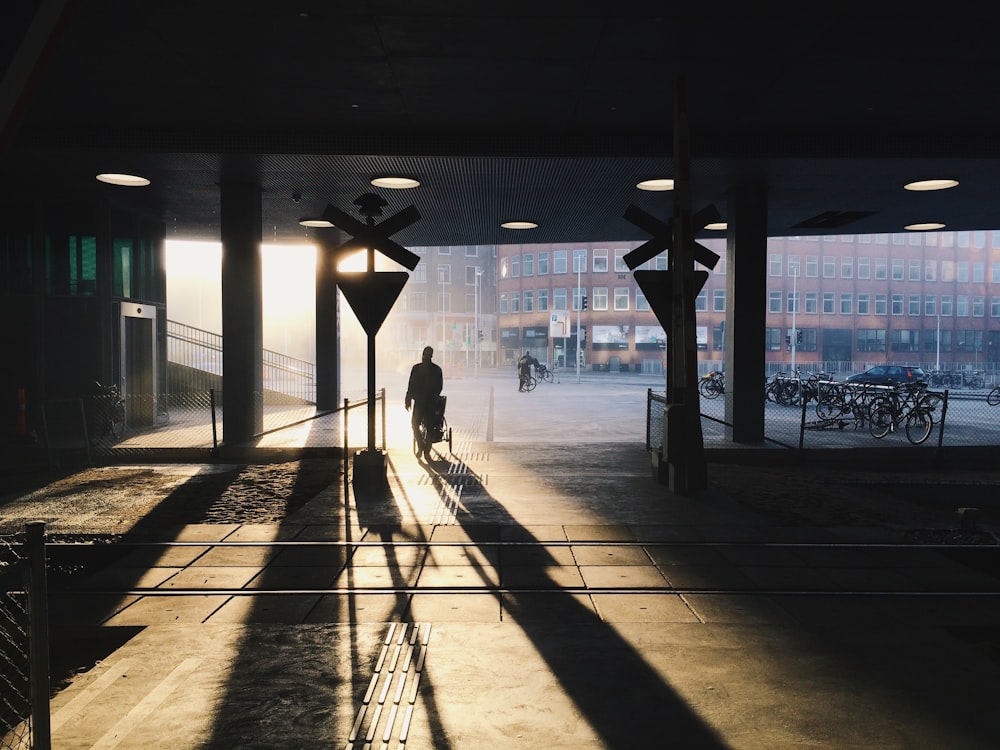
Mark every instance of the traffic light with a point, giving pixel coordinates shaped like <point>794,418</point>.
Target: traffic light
<point>583,302</point>
<point>798,336</point>
<point>583,337</point>
<point>480,334</point>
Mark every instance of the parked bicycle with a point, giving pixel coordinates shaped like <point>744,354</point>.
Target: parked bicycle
<point>907,405</point>
<point>712,385</point>
<point>542,373</point>
<point>107,413</point>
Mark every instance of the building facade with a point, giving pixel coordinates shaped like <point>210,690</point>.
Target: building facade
<point>835,303</point>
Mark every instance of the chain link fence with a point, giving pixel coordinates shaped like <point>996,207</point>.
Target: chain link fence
<point>24,666</point>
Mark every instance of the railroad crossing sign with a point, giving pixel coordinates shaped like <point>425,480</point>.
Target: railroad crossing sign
<point>374,236</point>
<point>663,234</point>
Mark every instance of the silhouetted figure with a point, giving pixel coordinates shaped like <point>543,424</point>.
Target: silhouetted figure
<point>426,382</point>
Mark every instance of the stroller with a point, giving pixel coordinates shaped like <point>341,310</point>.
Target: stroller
<point>433,428</point>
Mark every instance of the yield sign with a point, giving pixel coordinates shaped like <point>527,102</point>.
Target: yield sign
<point>657,287</point>
<point>372,295</point>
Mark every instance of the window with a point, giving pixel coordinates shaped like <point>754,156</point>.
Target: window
<point>913,269</point>
<point>416,302</point>
<point>794,268</point>
<point>930,305</point>
<point>444,273</point>
<point>470,275</point>
<point>621,298</point>
<point>543,264</point>
<point>515,266</point>
<point>978,306</point>
<point>600,260</point>
<point>598,298</point>
<point>829,267</point>
<point>881,269</point>
<point>515,302</point>
<point>846,303</point>
<point>579,260</point>
<point>864,268</point>
<point>528,265</point>
<point>641,303</point>
<point>774,265</point>
<point>846,267</point>
<point>446,250</point>
<point>947,308</point>
<point>978,272</point>
<point>773,302</point>
<point>559,299</point>
<point>793,302</point>
<point>701,301</point>
<point>881,304</point>
<point>995,307</point>
<point>529,301</point>
<point>774,340</point>
<point>719,300</point>
<point>812,303</point>
<point>930,270</point>
<point>812,266</point>
<point>962,306</point>
<point>913,305</point>
<point>620,265</point>
<point>828,303</point>
<point>559,261</point>
<point>904,340</point>
<point>968,341</point>
<point>963,271</point>
<point>419,275</point>
<point>995,272</point>
<point>504,304</point>
<point>947,270</point>
<point>897,304</point>
<point>871,339</point>
<point>543,300</point>
<point>578,292</point>
<point>897,269</point>
<point>472,251</point>
<point>864,303</point>
<point>931,341</point>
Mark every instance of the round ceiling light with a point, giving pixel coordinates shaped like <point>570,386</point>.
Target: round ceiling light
<point>717,226</point>
<point>656,185</point>
<point>921,185</point>
<point>128,180</point>
<point>519,225</point>
<point>926,226</point>
<point>396,183</point>
<point>315,223</point>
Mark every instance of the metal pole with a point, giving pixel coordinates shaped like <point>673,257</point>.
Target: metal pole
<point>579,304</point>
<point>795,300</point>
<point>476,352</point>
<point>371,359</point>
<point>38,637</point>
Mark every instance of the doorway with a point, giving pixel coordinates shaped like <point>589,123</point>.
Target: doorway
<point>138,364</point>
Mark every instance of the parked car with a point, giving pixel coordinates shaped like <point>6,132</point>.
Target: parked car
<point>889,375</point>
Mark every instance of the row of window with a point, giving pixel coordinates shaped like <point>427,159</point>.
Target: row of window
<point>876,340</point>
<point>975,239</point>
<point>532,264</point>
<point>599,298</point>
<point>897,269</point>
<point>830,303</point>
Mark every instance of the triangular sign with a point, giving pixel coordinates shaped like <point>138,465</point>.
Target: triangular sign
<point>372,295</point>
<point>659,291</point>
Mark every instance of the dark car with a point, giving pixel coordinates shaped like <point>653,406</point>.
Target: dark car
<point>889,375</point>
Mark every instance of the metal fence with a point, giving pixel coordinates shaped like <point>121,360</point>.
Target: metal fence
<point>24,641</point>
<point>963,417</point>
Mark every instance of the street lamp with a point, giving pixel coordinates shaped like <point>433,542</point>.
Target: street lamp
<point>479,274</point>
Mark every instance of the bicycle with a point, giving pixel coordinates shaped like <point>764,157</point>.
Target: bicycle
<point>528,383</point>
<point>107,413</point>
<point>543,374</point>
<point>712,385</point>
<point>432,428</point>
<point>907,405</point>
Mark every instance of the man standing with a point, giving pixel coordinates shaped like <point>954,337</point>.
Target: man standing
<point>426,382</point>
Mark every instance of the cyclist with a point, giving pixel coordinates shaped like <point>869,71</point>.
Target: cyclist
<point>423,388</point>
<point>524,366</point>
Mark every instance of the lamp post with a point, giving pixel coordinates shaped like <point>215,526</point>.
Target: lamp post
<point>795,304</point>
<point>479,273</point>
<point>579,305</point>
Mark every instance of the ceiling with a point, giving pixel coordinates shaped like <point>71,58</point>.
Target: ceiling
<point>544,110</point>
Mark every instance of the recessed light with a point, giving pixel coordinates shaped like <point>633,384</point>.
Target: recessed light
<point>656,185</point>
<point>926,226</point>
<point>128,180</point>
<point>396,183</point>
<point>717,225</point>
<point>930,185</point>
<point>519,225</point>
<point>315,223</point>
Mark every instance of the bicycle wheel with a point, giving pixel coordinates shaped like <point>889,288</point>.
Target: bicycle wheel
<point>880,421</point>
<point>530,383</point>
<point>993,397</point>
<point>547,376</point>
<point>918,426</point>
<point>118,420</point>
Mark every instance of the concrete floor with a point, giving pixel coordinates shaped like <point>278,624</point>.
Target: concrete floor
<point>511,595</point>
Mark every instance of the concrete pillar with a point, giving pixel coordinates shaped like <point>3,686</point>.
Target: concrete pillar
<point>746,308</point>
<point>242,318</point>
<point>327,320</point>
